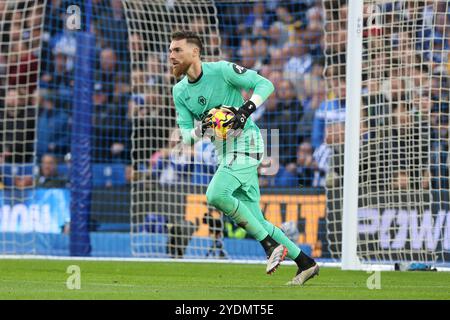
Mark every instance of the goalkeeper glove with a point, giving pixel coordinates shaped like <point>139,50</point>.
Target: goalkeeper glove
<point>201,128</point>
<point>237,123</point>
<point>206,123</point>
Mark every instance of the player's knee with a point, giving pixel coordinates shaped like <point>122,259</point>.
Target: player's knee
<point>212,197</point>
<point>216,199</point>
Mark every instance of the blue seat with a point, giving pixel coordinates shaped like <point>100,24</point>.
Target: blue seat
<point>103,174</point>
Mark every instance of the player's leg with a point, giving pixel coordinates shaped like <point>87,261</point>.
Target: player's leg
<point>223,193</point>
<point>307,267</point>
<point>220,195</point>
<point>273,231</point>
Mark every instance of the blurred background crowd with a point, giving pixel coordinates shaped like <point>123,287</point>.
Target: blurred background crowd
<point>282,40</point>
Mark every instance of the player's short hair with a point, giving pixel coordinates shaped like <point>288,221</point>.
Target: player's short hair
<point>190,36</point>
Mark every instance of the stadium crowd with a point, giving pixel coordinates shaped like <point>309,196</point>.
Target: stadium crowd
<point>282,40</point>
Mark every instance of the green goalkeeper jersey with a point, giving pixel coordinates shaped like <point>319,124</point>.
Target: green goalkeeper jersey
<point>220,84</point>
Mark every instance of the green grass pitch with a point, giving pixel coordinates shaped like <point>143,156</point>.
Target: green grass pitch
<point>46,279</point>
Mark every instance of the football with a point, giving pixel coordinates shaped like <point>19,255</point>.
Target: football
<point>218,119</point>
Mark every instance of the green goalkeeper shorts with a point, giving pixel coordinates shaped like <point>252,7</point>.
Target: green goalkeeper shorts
<point>244,167</point>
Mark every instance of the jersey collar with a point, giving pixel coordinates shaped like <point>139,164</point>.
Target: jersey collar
<point>196,80</point>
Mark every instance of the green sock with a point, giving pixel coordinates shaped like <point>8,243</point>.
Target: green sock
<point>280,237</point>
<point>273,231</point>
<point>245,219</point>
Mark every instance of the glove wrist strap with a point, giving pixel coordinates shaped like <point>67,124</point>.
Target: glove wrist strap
<point>248,108</point>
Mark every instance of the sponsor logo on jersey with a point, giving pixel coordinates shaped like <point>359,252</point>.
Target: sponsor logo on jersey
<point>238,69</point>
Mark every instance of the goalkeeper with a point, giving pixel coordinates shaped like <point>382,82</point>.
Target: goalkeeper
<point>234,188</point>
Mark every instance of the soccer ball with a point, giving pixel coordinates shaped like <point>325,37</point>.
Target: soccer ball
<point>218,118</point>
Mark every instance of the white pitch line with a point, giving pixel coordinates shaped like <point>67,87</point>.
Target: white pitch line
<point>365,267</point>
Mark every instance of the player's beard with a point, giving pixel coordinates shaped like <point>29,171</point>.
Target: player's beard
<point>180,69</point>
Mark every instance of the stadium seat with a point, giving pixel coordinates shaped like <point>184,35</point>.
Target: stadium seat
<point>103,174</point>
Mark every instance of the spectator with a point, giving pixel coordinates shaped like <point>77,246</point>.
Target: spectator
<point>278,59</point>
<point>315,22</point>
<point>287,101</point>
<point>401,180</point>
<point>321,158</point>
<point>137,113</point>
<point>131,175</point>
<point>275,35</point>
<point>409,151</point>
<point>272,174</point>
<point>3,7</point>
<point>328,172</point>
<point>276,119</point>
<point>23,66</point>
<point>313,87</point>
<point>113,33</point>
<point>33,31</point>
<point>269,104</point>
<point>138,80</point>
<point>230,17</point>
<point>23,181</point>
<point>101,120</point>
<point>439,157</point>
<point>54,19</point>
<point>205,162</point>
<point>59,80</point>
<point>48,176</point>
<point>137,49</point>
<point>329,111</point>
<point>170,165</point>
<point>108,72</point>
<point>210,37</point>
<point>198,25</point>
<point>287,22</point>
<point>120,133</point>
<point>257,22</point>
<point>154,71</point>
<point>247,54</point>
<point>17,128</point>
<point>299,64</point>
<point>310,106</point>
<point>122,91</point>
<point>2,80</point>
<point>305,166</point>
<point>261,52</point>
<point>111,129</point>
<point>53,130</point>
<point>65,42</point>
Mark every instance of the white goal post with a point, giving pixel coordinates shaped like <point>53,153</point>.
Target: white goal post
<point>350,259</point>
<point>387,190</point>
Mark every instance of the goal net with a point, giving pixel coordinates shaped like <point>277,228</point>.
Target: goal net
<point>168,191</point>
<point>90,159</point>
<point>162,165</point>
<point>20,42</point>
<point>403,200</point>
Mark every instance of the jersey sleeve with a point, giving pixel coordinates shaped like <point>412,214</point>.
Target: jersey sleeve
<point>185,119</point>
<point>247,79</point>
